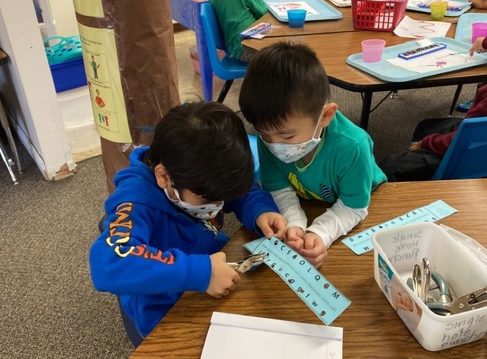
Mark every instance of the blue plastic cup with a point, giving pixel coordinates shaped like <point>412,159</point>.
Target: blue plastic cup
<point>296,17</point>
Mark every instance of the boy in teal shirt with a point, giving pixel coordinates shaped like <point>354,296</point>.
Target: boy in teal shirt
<point>306,147</point>
<point>234,17</point>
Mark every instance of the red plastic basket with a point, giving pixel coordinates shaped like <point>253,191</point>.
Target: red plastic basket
<point>377,15</point>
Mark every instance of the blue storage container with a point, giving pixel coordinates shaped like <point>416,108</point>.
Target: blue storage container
<point>68,75</point>
<point>66,62</point>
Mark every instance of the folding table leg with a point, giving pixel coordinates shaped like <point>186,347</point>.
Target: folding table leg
<point>224,91</point>
<point>455,98</point>
<point>366,103</point>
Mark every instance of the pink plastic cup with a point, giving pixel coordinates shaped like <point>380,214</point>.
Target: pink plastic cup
<point>372,50</point>
<point>479,29</point>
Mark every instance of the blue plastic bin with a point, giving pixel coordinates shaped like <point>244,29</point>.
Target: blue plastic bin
<point>68,75</point>
<point>64,49</point>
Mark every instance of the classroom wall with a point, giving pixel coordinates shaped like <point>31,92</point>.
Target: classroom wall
<point>64,15</point>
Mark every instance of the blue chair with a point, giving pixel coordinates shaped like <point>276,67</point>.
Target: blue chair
<point>466,156</point>
<point>227,68</point>
<point>255,156</point>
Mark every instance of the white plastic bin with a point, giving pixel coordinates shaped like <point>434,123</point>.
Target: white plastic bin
<point>462,265</point>
<point>75,106</point>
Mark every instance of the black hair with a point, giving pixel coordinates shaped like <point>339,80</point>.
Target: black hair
<point>205,149</point>
<point>283,79</point>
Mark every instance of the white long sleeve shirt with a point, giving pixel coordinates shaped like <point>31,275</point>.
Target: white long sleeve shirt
<point>336,221</point>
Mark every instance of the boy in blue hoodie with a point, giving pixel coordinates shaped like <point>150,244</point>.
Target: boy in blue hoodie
<point>162,233</point>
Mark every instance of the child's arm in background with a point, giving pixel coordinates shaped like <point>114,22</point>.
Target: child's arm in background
<point>439,143</point>
<point>479,4</point>
<point>479,45</point>
<point>256,7</point>
<point>436,143</point>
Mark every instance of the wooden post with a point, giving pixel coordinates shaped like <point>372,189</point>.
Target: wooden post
<point>144,45</point>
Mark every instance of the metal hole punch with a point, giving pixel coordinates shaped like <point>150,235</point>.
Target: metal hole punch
<point>424,282</point>
<point>441,302</point>
<point>249,262</point>
<point>420,281</point>
<point>475,300</point>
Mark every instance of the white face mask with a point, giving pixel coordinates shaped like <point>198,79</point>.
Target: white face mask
<point>291,152</point>
<point>204,211</point>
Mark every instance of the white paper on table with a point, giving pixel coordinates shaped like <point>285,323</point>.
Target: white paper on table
<point>421,28</point>
<point>431,62</point>
<point>242,337</point>
<point>281,8</point>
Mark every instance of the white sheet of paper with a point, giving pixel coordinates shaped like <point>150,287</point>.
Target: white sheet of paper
<point>241,337</point>
<point>282,7</point>
<point>411,28</point>
<point>433,61</point>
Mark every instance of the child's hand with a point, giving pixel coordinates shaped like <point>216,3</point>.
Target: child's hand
<point>295,238</point>
<point>272,224</point>
<point>314,249</point>
<point>223,277</point>
<point>477,46</point>
<point>415,146</point>
<point>481,4</point>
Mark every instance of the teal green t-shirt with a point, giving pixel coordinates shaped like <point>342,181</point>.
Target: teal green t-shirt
<point>343,167</point>
<point>234,17</point>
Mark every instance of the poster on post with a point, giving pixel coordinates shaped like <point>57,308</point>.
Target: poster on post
<point>102,71</point>
<point>92,8</point>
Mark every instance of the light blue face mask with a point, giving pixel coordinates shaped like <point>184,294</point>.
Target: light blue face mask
<point>291,152</point>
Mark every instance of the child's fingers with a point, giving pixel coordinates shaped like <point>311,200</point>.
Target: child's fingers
<point>280,226</point>
<point>310,242</point>
<point>315,259</point>
<point>280,232</point>
<point>310,253</point>
<point>295,233</point>
<point>236,278</point>
<point>318,261</point>
<point>266,229</point>
<point>297,245</point>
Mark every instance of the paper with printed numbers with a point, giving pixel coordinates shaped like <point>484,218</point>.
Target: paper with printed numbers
<point>311,286</point>
<point>361,243</point>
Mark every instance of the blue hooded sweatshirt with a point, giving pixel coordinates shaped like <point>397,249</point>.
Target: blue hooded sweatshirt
<point>150,251</point>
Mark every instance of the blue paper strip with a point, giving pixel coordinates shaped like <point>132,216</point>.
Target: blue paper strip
<point>302,277</point>
<point>361,243</point>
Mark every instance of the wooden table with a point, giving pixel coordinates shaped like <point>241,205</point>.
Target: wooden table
<point>345,24</point>
<point>372,328</point>
<point>333,48</point>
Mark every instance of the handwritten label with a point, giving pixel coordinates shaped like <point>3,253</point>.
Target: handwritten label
<point>406,247</point>
<point>464,331</point>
